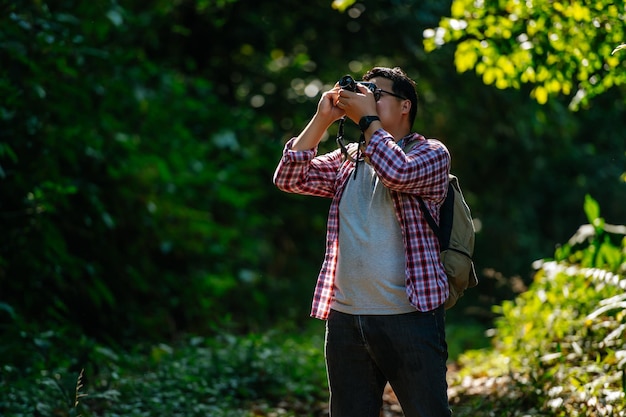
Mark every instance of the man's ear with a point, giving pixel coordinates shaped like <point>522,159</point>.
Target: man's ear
<point>406,106</point>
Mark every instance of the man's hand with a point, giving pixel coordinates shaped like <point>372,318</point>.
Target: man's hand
<point>359,104</point>
<point>327,109</point>
<point>327,113</point>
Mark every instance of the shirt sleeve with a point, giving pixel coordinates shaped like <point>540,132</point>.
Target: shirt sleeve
<point>303,172</point>
<point>422,171</point>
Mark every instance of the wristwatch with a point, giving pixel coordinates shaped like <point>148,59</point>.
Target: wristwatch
<point>366,121</point>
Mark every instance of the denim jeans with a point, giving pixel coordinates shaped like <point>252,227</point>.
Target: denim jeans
<point>365,352</point>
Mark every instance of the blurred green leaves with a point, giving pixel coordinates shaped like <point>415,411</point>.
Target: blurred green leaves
<point>126,181</point>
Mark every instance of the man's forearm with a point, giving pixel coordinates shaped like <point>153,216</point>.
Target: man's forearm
<point>311,135</point>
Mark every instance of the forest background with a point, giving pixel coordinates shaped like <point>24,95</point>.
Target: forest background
<point>138,142</point>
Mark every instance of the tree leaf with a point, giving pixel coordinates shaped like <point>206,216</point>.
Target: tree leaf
<point>622,46</point>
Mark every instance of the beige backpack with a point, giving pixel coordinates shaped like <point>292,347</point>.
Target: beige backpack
<point>456,233</point>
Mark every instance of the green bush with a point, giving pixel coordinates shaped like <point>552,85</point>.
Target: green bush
<point>225,376</point>
<point>560,345</point>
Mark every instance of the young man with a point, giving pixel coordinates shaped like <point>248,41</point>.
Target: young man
<point>382,286</point>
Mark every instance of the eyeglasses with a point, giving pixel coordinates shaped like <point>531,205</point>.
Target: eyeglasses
<point>378,93</point>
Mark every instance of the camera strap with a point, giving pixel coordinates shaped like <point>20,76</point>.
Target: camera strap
<point>344,149</point>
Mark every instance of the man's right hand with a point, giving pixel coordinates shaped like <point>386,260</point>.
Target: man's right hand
<point>327,107</point>
<point>327,113</point>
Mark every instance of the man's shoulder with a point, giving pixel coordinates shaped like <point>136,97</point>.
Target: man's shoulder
<point>418,140</point>
<point>438,144</point>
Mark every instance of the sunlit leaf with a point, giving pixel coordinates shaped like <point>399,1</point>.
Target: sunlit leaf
<point>342,5</point>
<point>541,94</point>
<point>592,209</point>
<point>619,48</point>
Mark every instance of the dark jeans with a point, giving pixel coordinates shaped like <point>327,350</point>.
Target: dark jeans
<point>409,351</point>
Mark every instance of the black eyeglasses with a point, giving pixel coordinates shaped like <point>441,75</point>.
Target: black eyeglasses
<point>378,93</point>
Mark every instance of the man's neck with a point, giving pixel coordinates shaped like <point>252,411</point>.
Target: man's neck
<point>401,133</point>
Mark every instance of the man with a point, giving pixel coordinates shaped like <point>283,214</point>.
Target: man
<point>382,286</point>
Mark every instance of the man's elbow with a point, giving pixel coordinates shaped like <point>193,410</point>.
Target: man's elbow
<point>281,183</point>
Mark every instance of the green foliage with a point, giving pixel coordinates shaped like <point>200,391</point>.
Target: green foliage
<point>136,154</point>
<point>225,376</point>
<point>555,47</point>
<point>563,338</point>
<point>134,198</point>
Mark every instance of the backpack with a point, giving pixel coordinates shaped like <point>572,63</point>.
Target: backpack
<point>455,232</point>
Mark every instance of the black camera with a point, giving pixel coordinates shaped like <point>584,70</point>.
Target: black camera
<point>348,83</point>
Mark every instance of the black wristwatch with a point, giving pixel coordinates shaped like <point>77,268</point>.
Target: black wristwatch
<point>366,121</point>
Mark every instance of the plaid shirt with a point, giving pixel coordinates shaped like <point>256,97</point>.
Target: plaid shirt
<point>422,171</point>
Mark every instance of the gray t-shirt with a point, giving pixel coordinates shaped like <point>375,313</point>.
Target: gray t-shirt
<point>370,276</point>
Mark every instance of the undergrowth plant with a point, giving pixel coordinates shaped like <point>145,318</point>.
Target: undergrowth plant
<point>561,343</point>
<point>224,376</point>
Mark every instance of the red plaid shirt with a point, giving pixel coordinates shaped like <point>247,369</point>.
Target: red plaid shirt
<point>422,171</point>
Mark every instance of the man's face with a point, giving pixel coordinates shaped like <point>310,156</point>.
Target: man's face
<point>390,108</point>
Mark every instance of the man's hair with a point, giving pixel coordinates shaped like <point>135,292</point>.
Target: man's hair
<point>402,85</point>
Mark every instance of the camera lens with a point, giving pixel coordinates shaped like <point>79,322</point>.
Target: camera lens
<point>347,83</point>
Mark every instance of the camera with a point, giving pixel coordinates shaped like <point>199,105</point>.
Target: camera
<point>348,83</point>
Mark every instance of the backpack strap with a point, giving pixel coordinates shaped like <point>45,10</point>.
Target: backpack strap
<point>447,208</point>
<point>429,218</point>
<point>446,214</point>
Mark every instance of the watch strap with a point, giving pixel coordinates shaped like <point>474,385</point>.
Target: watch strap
<point>366,121</point>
